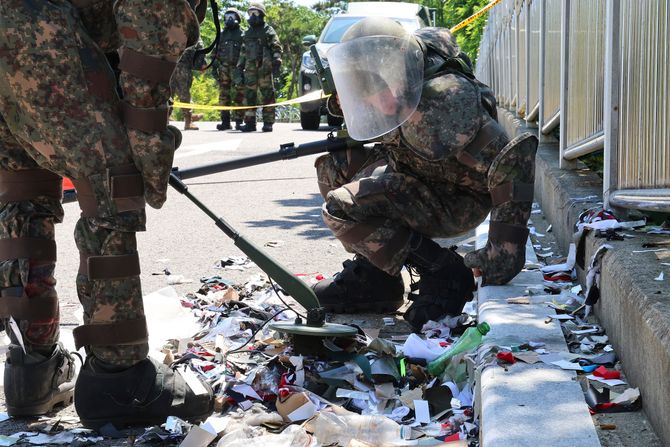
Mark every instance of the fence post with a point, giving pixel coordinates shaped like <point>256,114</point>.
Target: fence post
<point>526,90</point>
<point>565,65</point>
<point>516,59</point>
<point>611,99</point>
<point>543,42</point>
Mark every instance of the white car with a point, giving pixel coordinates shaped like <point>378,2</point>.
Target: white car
<point>409,15</point>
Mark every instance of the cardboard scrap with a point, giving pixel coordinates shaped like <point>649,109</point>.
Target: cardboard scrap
<point>295,407</point>
<point>198,437</point>
<point>518,300</point>
<point>527,357</point>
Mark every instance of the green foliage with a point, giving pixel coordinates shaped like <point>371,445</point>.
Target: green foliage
<point>292,23</point>
<point>455,11</point>
<point>205,90</point>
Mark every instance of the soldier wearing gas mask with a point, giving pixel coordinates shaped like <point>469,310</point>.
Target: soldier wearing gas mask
<point>63,112</point>
<point>260,61</point>
<point>231,81</point>
<point>182,80</point>
<point>442,166</point>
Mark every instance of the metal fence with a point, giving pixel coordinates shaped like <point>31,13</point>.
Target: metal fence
<point>599,69</point>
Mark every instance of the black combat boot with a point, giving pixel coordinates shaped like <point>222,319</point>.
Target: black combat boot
<point>225,121</point>
<point>144,394</point>
<point>445,284</point>
<point>360,287</point>
<point>249,125</point>
<point>267,127</point>
<point>35,384</point>
<point>238,124</point>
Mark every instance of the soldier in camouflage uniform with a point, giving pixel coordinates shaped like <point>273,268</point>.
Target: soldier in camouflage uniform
<point>442,165</point>
<point>182,80</point>
<point>260,60</point>
<point>61,115</point>
<point>231,91</point>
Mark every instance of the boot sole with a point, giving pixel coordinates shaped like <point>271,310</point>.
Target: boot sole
<point>64,399</point>
<point>127,421</point>
<point>354,308</point>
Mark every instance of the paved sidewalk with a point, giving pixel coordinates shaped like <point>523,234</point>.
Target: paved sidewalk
<point>528,404</point>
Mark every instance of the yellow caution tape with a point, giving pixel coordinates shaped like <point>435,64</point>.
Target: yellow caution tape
<point>474,16</point>
<point>318,94</point>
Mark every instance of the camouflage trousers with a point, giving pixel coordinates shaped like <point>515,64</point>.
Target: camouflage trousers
<point>258,80</point>
<point>371,207</point>
<point>55,122</point>
<point>229,94</point>
<point>181,83</point>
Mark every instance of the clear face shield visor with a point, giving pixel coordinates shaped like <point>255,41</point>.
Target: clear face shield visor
<point>378,81</point>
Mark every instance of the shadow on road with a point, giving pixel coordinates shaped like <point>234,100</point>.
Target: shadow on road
<point>307,222</point>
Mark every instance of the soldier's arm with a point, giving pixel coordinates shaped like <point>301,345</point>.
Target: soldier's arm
<point>199,62</point>
<point>243,57</point>
<point>275,48</point>
<point>154,34</point>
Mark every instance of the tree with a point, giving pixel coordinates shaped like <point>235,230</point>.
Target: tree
<point>455,11</point>
<point>292,23</point>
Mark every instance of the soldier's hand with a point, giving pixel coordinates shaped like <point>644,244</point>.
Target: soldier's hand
<point>238,78</point>
<point>276,64</point>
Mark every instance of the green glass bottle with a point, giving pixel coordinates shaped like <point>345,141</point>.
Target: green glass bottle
<point>471,338</point>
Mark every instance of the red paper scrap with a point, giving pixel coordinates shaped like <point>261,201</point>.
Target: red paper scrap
<point>506,357</point>
<point>605,373</point>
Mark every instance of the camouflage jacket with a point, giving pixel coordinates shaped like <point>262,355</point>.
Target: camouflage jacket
<point>159,28</point>
<point>190,60</point>
<point>260,47</point>
<point>230,45</point>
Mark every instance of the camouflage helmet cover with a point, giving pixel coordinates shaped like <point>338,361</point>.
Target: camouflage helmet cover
<point>374,26</point>
<point>235,11</point>
<point>439,39</point>
<point>258,6</point>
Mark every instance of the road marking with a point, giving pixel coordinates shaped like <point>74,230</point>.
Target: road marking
<point>198,149</point>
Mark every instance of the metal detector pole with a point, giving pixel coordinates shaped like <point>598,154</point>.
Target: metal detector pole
<point>315,324</point>
<point>286,152</point>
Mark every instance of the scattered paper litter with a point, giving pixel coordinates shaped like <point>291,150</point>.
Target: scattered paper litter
<point>567,266</point>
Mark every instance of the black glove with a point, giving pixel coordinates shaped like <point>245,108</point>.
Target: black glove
<point>238,77</point>
<point>275,67</point>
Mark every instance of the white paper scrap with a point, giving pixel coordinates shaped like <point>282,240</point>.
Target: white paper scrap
<point>567,266</point>
<point>561,317</point>
<point>421,411</point>
<point>608,382</point>
<point>246,391</point>
<point>417,347</point>
<point>17,333</point>
<point>351,394</point>
<point>564,364</point>
<point>627,397</point>
<point>659,277</point>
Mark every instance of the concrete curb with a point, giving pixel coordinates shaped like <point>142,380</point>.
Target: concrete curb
<point>528,405</point>
<point>634,309</point>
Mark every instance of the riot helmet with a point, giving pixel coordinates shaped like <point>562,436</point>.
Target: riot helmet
<point>378,75</point>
